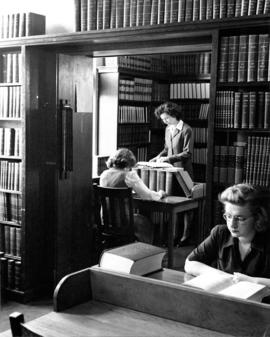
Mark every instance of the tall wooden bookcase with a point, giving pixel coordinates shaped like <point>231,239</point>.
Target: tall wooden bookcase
<point>56,209</point>
<point>54,221</point>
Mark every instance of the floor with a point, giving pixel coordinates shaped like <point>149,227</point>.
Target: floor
<point>36,309</point>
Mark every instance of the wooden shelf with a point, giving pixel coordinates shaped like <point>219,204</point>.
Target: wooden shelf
<point>10,223</point>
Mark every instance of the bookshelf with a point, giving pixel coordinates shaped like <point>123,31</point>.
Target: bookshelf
<point>241,148</point>
<point>45,220</point>
<point>69,211</point>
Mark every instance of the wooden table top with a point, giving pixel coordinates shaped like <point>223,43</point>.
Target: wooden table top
<point>96,318</point>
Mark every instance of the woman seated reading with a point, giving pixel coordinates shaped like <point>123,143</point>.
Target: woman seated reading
<point>242,246</point>
<point>120,174</point>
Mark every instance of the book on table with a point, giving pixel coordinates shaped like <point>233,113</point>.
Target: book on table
<point>155,164</point>
<point>136,258</point>
<point>225,285</point>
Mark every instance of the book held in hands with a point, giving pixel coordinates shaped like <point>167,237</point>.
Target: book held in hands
<point>225,285</point>
<point>137,258</point>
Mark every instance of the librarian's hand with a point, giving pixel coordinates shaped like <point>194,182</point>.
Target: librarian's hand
<point>164,159</point>
<point>163,194</point>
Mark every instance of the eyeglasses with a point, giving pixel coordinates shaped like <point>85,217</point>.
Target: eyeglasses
<point>238,219</point>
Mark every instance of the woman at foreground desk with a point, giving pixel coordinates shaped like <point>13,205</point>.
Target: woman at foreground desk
<point>242,246</point>
<point>120,174</point>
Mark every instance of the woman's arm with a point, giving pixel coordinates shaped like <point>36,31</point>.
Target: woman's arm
<point>242,277</point>
<point>135,182</point>
<point>197,268</point>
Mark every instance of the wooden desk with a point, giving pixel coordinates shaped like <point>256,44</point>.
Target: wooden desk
<point>95,302</point>
<point>172,205</point>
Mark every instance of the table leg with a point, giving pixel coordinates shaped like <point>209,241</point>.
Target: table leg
<point>171,230</point>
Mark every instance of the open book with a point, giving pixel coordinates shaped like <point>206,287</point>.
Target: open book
<point>137,258</point>
<point>224,285</point>
<point>155,164</point>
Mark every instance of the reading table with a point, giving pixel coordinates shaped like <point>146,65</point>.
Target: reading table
<point>95,302</point>
<point>171,205</point>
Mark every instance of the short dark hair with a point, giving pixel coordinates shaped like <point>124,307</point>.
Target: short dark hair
<point>121,159</point>
<point>258,199</point>
<point>170,108</point>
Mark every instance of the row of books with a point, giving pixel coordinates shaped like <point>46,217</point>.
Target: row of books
<point>132,134</point>
<point>258,161</point>
<point>10,176</point>
<point>10,273</point>
<point>108,14</point>
<point>133,114</point>
<point>190,112</point>
<point>140,152</point>
<point>183,64</point>
<point>10,102</point>
<point>10,142</point>
<point>244,58</point>
<point>10,207</point>
<point>242,109</point>
<point>21,24</point>
<point>10,71</point>
<point>250,163</point>
<point>186,64</point>
<point>199,155</point>
<point>137,89</point>
<point>229,163</point>
<point>200,135</point>
<point>12,241</point>
<point>189,90</point>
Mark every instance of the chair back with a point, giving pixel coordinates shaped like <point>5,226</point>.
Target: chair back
<point>19,328</point>
<point>115,219</point>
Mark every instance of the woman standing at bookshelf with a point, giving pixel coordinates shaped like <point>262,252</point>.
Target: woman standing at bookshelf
<point>242,246</point>
<point>177,150</point>
<point>120,174</point>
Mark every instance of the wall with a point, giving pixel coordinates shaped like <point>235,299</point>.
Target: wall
<point>60,17</point>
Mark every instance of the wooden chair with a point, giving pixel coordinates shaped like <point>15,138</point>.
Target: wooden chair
<point>114,216</point>
<point>18,328</point>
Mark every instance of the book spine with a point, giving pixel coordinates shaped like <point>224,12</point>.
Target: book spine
<point>139,13</point>
<point>237,109</point>
<point>196,10</point>
<point>167,11</point>
<point>223,166</point>
<point>119,13</point>
<point>181,10</point>
<point>244,7</point>
<point>266,9</point>
<point>245,110</point>
<point>242,61</point>
<point>202,15</point>
<point>238,8</point>
<point>263,55</point>
<point>154,12</point>
<point>106,14</point>
<point>252,6</point>
<point>216,9</point>
<point>260,7</point>
<point>223,59</point>
<point>174,11</point>
<point>77,4</point>
<point>147,4</point>
<point>223,9</point>
<point>266,124</point>
<point>233,58</point>
<point>83,15</point>
<point>239,164</point>
<point>133,11</point>
<point>230,8</point>
<point>34,24</point>
<point>252,58</point>
<point>92,15</point>
<point>99,14</point>
<point>209,9</point>
<point>189,10</point>
<point>252,109</point>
